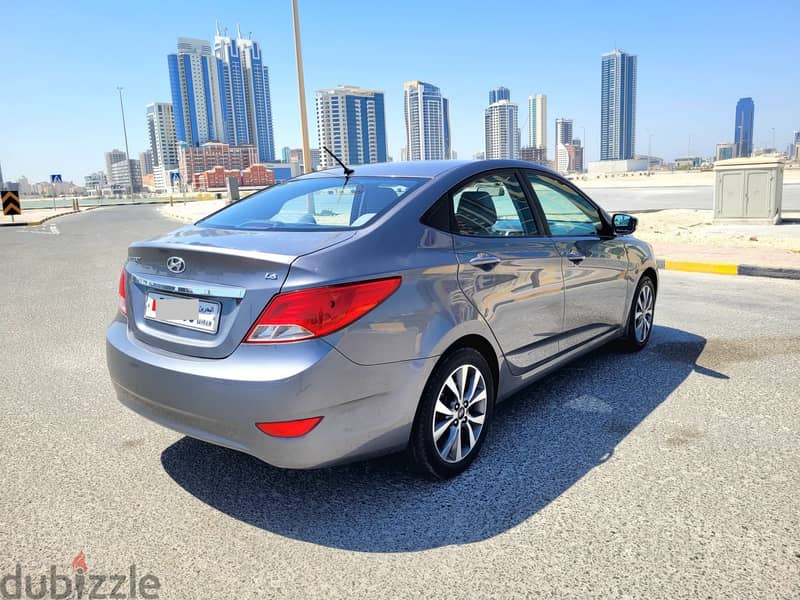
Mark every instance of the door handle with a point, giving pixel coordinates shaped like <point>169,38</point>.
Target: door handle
<point>487,262</point>
<point>575,257</point>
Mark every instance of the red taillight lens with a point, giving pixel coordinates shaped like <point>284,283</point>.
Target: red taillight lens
<point>122,307</point>
<point>319,311</point>
<point>289,429</point>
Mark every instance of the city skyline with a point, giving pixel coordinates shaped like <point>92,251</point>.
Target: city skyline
<point>86,112</point>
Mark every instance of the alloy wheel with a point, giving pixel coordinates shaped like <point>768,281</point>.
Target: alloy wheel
<point>459,413</point>
<point>643,316</point>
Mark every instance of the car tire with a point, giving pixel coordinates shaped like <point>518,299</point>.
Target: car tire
<point>640,319</point>
<point>454,414</point>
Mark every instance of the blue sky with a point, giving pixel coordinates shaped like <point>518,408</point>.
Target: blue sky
<point>62,61</point>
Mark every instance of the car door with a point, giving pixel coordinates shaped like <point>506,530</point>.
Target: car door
<point>508,269</point>
<point>595,263</point>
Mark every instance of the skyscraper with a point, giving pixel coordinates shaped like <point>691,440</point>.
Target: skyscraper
<point>743,132</point>
<point>245,93</point>
<point>501,127</point>
<point>112,158</point>
<point>618,106</point>
<point>537,121</point>
<point>427,122</point>
<point>161,134</point>
<point>351,122</point>
<point>146,162</point>
<point>563,139</point>
<point>500,93</point>
<point>196,100</point>
<point>222,96</point>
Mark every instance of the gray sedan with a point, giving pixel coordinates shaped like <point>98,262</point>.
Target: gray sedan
<point>340,316</point>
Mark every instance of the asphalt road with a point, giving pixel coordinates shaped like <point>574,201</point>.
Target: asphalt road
<point>670,473</point>
<point>658,198</point>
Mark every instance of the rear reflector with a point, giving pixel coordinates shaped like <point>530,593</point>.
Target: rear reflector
<point>122,307</point>
<point>289,429</point>
<point>316,312</point>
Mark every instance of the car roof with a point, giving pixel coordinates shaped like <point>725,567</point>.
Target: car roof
<point>426,168</point>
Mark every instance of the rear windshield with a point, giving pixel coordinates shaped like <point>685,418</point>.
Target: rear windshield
<point>315,204</point>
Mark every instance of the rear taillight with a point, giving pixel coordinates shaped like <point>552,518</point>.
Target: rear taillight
<point>289,429</point>
<point>315,312</point>
<point>122,307</point>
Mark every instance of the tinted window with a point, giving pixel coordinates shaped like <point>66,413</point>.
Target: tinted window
<point>566,211</point>
<point>317,203</point>
<point>493,206</point>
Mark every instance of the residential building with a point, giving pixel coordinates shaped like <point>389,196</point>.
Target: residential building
<point>217,178</point>
<point>126,176</point>
<point>296,157</point>
<point>24,186</point>
<point>618,106</point>
<point>427,117</point>
<point>94,182</point>
<point>500,93</point>
<point>725,151</point>
<point>479,156</point>
<point>501,126</point>
<point>351,122</point>
<point>537,122</point>
<point>574,157</point>
<point>161,133</point>
<point>112,157</point>
<point>743,132</point>
<point>193,160</point>
<point>194,74</point>
<point>245,94</point>
<point>534,155</point>
<point>146,162</point>
<point>563,138</point>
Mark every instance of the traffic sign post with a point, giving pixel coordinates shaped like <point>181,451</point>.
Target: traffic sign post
<point>11,205</point>
<point>54,179</point>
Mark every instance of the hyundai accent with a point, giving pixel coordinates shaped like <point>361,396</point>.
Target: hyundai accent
<point>340,316</point>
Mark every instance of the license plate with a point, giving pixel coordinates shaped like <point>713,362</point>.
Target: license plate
<point>191,313</point>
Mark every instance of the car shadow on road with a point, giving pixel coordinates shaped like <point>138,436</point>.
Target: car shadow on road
<point>543,440</point>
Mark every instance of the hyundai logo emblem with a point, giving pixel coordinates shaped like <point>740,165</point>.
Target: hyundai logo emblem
<point>176,264</point>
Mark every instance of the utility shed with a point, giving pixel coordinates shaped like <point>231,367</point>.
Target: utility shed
<point>748,190</point>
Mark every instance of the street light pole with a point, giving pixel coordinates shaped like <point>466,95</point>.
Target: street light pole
<point>301,90</point>
<point>125,133</point>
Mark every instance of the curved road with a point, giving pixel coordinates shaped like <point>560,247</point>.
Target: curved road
<point>670,473</point>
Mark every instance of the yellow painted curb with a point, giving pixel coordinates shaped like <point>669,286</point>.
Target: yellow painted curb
<point>698,267</point>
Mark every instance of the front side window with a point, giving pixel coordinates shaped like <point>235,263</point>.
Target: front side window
<point>327,203</point>
<point>493,206</point>
<point>566,211</point>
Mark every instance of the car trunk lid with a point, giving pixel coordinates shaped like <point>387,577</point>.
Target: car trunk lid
<point>231,274</point>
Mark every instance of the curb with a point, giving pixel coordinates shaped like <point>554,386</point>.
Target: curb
<point>40,221</point>
<point>728,269</point>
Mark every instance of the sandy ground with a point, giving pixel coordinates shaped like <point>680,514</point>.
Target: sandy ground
<point>696,227</point>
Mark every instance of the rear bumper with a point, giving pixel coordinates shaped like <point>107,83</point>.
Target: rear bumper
<point>366,410</point>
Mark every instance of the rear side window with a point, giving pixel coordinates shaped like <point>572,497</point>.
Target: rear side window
<point>493,206</point>
<point>324,203</point>
<point>566,211</point>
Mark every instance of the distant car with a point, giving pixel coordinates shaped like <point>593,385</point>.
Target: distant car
<point>333,318</point>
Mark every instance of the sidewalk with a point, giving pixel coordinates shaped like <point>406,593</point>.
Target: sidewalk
<point>36,216</point>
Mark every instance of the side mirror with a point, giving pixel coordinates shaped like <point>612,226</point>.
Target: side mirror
<point>624,224</point>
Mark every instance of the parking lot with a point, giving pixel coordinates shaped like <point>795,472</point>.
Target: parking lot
<point>670,473</point>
